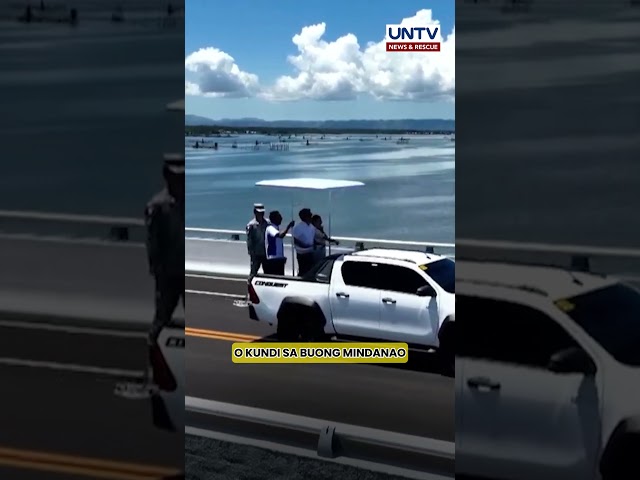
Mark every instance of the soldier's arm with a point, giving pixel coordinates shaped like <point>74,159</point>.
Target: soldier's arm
<point>151,222</point>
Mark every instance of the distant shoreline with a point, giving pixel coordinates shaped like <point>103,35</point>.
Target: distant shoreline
<point>223,131</point>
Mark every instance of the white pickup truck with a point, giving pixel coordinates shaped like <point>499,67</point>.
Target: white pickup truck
<point>547,374</point>
<point>378,294</point>
<point>167,373</point>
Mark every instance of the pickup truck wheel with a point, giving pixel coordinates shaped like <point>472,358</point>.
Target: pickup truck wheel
<point>300,323</point>
<point>301,331</point>
<point>311,331</point>
<point>447,362</point>
<point>286,333</point>
<point>304,333</point>
<point>446,352</point>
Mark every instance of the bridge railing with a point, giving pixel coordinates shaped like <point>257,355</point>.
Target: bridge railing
<point>619,261</point>
<point>206,250</point>
<point>208,247</point>
<point>393,453</point>
<point>72,225</point>
<point>357,243</point>
<point>225,251</point>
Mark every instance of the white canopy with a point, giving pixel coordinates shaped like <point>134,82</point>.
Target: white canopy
<point>309,183</point>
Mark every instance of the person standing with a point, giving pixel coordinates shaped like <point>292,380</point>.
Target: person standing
<point>321,238</point>
<point>256,249</point>
<point>276,260</point>
<point>304,234</point>
<point>164,220</point>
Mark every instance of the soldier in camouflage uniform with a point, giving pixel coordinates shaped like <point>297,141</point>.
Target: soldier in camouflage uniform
<point>164,218</point>
<point>256,249</point>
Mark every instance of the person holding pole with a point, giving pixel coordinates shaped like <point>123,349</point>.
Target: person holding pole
<point>321,238</point>
<point>276,259</point>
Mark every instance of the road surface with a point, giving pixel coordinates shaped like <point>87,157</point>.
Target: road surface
<point>60,416</point>
<point>414,399</point>
<point>63,267</point>
<point>76,279</point>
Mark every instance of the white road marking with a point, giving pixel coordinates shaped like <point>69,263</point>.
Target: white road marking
<point>213,277</point>
<point>70,367</point>
<point>215,294</point>
<point>72,329</point>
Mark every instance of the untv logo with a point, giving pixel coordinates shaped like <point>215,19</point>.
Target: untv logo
<point>422,38</point>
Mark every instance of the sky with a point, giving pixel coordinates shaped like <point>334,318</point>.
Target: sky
<point>316,60</point>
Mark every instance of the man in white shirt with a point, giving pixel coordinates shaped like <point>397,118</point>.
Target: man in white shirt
<point>274,245</point>
<point>304,234</point>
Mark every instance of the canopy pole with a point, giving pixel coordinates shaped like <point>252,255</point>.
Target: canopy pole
<point>330,208</point>
<point>293,248</point>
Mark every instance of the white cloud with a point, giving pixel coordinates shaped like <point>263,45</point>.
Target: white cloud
<point>412,75</point>
<point>339,70</point>
<point>214,73</point>
<point>191,88</point>
<point>326,70</point>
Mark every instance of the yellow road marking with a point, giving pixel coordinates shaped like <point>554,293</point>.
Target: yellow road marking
<point>223,334</point>
<point>82,466</point>
<point>216,335</point>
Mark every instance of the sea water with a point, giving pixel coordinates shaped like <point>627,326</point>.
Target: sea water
<point>409,191</point>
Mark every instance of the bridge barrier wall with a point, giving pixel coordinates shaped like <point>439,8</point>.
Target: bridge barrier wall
<point>225,252</point>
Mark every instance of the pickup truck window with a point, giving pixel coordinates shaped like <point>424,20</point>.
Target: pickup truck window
<point>508,333</point>
<point>395,278</point>
<point>360,274</point>
<point>611,316</point>
<point>321,271</point>
<point>443,272</point>
<point>323,275</point>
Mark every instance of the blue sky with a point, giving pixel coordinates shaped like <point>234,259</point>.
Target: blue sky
<point>258,37</point>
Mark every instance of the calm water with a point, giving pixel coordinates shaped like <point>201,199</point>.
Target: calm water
<point>409,190</point>
<point>86,126</point>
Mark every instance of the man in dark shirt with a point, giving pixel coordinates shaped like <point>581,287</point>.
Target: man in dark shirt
<point>164,218</point>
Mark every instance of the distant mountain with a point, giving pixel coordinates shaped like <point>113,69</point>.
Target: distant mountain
<point>404,125</point>
<point>191,120</point>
